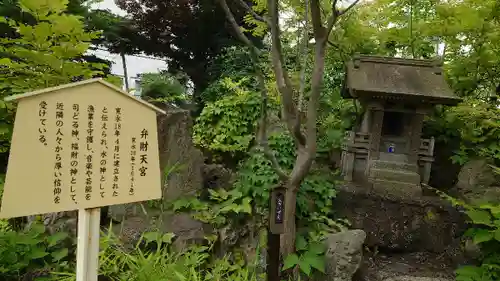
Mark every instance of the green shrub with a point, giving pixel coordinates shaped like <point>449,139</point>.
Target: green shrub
<point>309,256</point>
<point>153,258</point>
<point>475,123</point>
<point>256,178</point>
<point>163,87</point>
<point>23,252</point>
<point>485,232</point>
<point>228,125</point>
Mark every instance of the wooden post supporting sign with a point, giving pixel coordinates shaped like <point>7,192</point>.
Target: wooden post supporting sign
<point>94,144</point>
<point>87,249</point>
<point>276,227</point>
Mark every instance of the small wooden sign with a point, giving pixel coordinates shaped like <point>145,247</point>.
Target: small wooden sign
<point>277,210</point>
<point>80,146</point>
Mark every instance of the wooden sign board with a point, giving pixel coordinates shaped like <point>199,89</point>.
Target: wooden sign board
<point>277,211</point>
<point>80,146</point>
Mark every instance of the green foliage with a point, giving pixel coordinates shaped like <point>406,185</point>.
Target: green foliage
<point>153,258</point>
<point>163,87</point>
<point>189,35</point>
<point>228,125</point>
<point>27,251</point>
<point>475,124</point>
<point>332,126</point>
<point>479,125</point>
<point>250,196</point>
<point>484,232</point>
<point>221,206</point>
<point>309,255</point>
<point>233,63</point>
<point>256,27</point>
<point>256,178</point>
<point>43,55</point>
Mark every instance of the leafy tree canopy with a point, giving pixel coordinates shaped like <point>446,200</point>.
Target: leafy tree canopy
<point>189,34</point>
<point>163,87</point>
<point>44,54</point>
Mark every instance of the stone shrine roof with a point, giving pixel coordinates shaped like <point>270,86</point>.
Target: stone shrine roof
<point>375,77</point>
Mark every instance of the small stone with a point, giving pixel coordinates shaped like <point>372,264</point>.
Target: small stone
<point>344,254</point>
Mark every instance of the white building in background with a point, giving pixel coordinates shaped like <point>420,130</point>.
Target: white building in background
<point>136,89</point>
<point>134,85</point>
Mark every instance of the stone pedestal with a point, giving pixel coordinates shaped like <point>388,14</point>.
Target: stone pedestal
<point>404,224</point>
<point>396,178</point>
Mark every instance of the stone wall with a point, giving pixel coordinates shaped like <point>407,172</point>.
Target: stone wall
<point>177,152</point>
<point>401,224</point>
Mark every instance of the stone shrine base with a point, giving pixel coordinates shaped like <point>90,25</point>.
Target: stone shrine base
<point>394,178</point>
<point>409,237</point>
<point>400,222</point>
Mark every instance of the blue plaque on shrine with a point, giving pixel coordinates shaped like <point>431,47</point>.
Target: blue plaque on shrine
<point>391,148</point>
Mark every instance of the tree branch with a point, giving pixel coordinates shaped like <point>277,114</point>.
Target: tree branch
<point>305,157</point>
<point>349,8</point>
<point>316,19</point>
<point>332,20</point>
<point>336,14</point>
<point>262,139</point>
<point>303,53</point>
<point>252,12</point>
<point>336,46</point>
<point>230,17</point>
<point>254,54</point>
<point>290,113</point>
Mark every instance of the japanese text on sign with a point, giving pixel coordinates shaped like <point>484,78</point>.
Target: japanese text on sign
<point>133,153</point>
<point>75,137</point>
<point>90,153</point>
<point>58,150</point>
<point>143,147</point>
<point>42,112</point>
<point>116,154</point>
<point>86,145</point>
<point>104,151</point>
<point>280,200</point>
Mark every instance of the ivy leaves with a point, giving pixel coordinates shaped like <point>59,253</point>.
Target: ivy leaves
<point>308,256</point>
<point>228,125</point>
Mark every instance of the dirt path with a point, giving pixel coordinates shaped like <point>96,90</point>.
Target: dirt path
<point>405,267</point>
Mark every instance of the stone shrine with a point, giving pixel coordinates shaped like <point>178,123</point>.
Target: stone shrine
<point>387,152</point>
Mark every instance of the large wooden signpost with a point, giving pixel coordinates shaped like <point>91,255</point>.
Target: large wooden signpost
<point>81,146</point>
